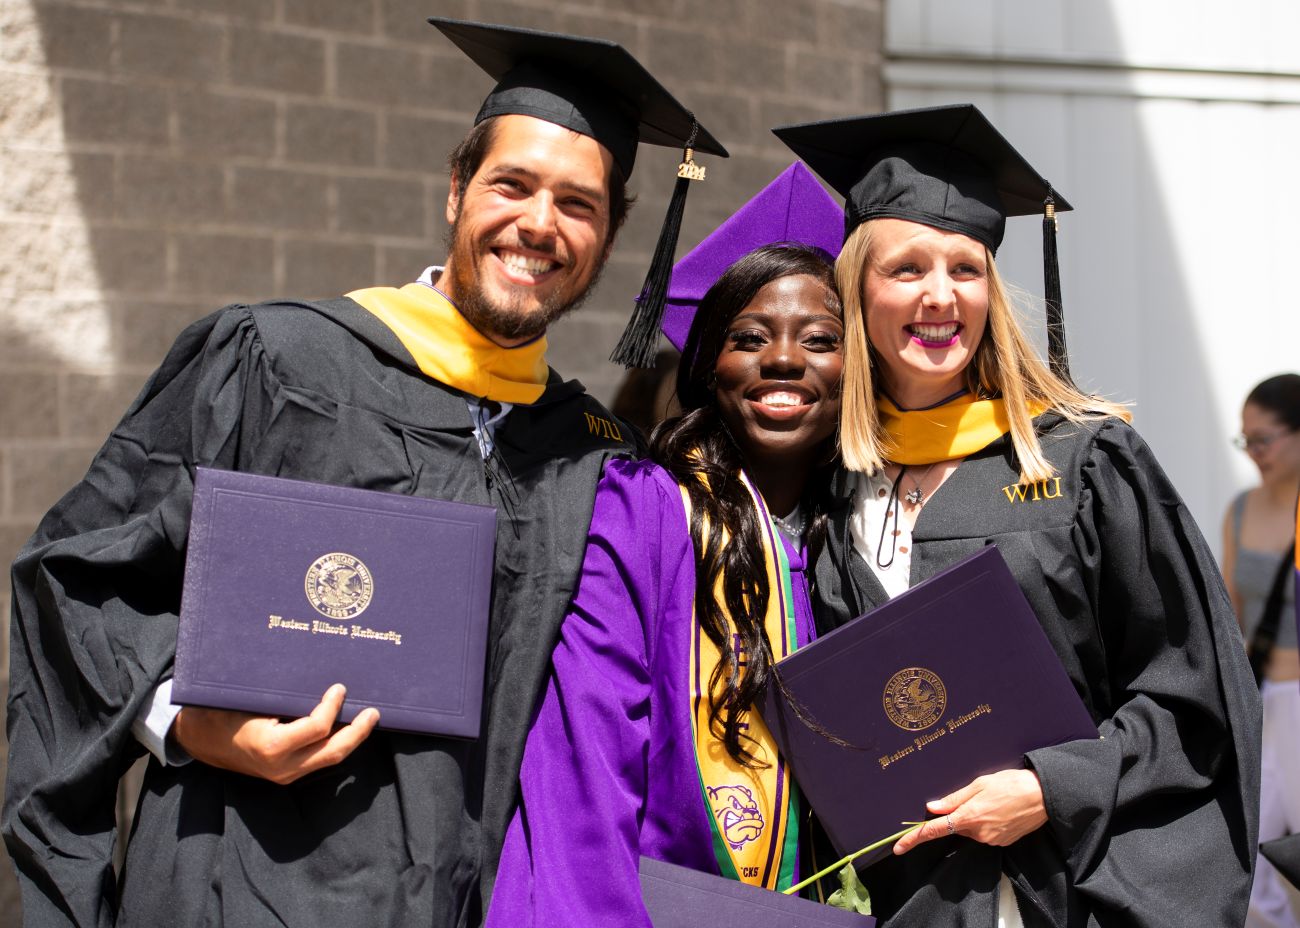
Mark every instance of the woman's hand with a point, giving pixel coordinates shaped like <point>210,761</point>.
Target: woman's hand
<point>998,809</point>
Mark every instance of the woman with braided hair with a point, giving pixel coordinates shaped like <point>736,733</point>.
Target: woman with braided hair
<point>693,586</point>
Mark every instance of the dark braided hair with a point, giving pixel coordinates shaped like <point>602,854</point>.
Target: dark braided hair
<point>698,450</point>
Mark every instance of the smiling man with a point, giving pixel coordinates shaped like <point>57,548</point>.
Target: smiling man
<point>438,388</point>
<point>530,229</point>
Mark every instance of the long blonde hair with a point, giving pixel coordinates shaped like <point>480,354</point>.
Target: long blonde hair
<point>1004,364</point>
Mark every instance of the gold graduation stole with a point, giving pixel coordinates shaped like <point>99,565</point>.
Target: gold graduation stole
<point>451,351</point>
<point>954,430</point>
<point>753,813</point>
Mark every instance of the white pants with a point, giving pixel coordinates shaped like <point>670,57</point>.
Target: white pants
<point>1279,801</point>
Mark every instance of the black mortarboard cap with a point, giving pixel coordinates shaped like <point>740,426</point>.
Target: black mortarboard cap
<point>594,87</point>
<point>943,166</point>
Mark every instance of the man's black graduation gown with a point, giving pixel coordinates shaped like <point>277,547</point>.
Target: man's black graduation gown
<point>1155,824</point>
<point>407,830</point>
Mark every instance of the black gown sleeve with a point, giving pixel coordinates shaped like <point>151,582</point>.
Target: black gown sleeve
<point>1157,820</point>
<point>96,593</point>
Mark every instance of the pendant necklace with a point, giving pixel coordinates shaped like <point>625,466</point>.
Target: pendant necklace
<point>916,496</point>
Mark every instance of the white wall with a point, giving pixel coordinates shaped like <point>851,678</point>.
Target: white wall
<point>1173,128</point>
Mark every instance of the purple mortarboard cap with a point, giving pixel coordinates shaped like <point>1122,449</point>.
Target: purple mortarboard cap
<point>792,208</point>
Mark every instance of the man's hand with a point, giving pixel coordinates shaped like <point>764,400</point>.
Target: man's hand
<point>997,809</point>
<point>267,747</point>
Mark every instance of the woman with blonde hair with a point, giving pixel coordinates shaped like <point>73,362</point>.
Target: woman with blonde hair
<point>955,436</point>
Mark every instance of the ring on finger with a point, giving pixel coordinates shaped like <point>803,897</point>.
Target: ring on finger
<point>952,829</point>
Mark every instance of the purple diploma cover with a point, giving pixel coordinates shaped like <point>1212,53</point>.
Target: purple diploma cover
<point>948,681</point>
<point>678,897</point>
<point>291,586</point>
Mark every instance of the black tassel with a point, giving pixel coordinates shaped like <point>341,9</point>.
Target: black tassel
<point>639,344</point>
<point>1058,358</point>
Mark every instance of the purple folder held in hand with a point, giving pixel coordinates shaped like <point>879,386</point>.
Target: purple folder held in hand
<point>948,681</point>
<point>291,586</point>
<point>678,897</point>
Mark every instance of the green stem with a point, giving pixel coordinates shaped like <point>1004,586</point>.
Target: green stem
<point>833,868</point>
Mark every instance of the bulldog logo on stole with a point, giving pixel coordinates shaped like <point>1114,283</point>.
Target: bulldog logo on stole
<point>915,698</point>
<point>737,813</point>
<point>339,586</point>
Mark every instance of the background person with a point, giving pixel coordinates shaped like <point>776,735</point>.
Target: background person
<point>645,397</point>
<point>954,436</point>
<point>1258,558</point>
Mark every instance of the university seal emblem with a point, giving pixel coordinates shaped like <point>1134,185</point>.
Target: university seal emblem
<point>915,698</point>
<point>339,586</point>
<point>739,819</point>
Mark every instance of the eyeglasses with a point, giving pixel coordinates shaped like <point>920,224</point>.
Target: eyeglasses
<point>1249,443</point>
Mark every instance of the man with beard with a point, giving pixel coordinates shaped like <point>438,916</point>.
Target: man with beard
<point>439,388</point>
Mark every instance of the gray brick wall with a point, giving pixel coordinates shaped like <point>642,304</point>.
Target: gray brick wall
<point>163,157</point>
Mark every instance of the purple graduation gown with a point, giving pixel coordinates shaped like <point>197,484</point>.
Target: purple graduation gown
<point>609,768</point>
